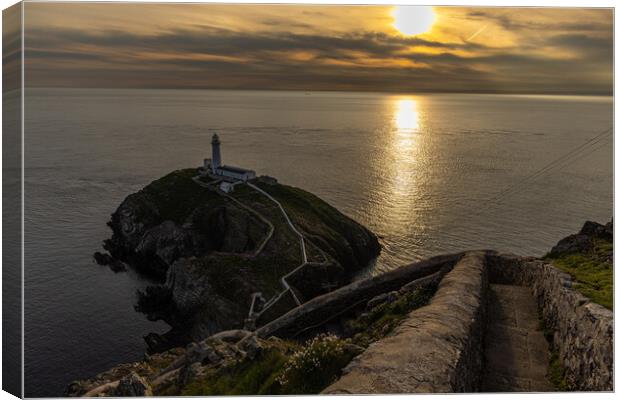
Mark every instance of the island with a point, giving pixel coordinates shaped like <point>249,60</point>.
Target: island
<point>230,250</point>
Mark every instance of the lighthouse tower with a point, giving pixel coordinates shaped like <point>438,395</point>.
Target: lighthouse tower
<point>216,157</point>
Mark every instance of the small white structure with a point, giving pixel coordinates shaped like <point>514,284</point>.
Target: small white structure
<point>227,187</point>
<point>214,165</point>
<point>235,173</point>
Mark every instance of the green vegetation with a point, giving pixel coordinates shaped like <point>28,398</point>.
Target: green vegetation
<point>227,271</point>
<point>290,368</point>
<point>383,318</point>
<point>592,272</point>
<point>316,365</point>
<point>285,369</point>
<point>557,372</point>
<point>314,216</point>
<point>258,376</point>
<point>176,196</point>
<point>307,208</point>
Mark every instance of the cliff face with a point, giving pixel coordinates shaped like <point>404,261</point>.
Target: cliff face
<point>419,328</point>
<point>585,240</point>
<point>274,360</point>
<point>212,252</point>
<point>173,218</point>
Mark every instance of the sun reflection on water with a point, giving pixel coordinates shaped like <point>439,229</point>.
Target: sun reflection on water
<point>405,132</point>
<point>407,116</point>
<point>401,169</point>
<point>406,127</point>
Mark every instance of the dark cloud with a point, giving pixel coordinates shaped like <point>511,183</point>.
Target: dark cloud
<point>506,21</point>
<point>219,58</point>
<point>582,42</point>
<point>226,42</point>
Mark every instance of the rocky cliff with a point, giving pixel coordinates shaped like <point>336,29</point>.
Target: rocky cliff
<point>211,251</point>
<point>301,352</point>
<point>424,327</point>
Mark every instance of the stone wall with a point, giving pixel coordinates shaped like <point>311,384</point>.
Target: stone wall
<point>437,349</point>
<point>324,308</point>
<point>582,330</point>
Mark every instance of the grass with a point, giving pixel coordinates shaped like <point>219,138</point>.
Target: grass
<point>284,369</point>
<point>244,378</point>
<point>309,211</point>
<point>384,318</point>
<point>557,372</point>
<point>322,223</point>
<point>228,271</point>
<point>314,367</point>
<point>176,196</point>
<point>289,368</point>
<point>591,271</point>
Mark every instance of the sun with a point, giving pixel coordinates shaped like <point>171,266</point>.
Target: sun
<point>413,20</point>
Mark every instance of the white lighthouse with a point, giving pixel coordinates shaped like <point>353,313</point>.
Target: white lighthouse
<point>225,173</point>
<point>216,156</point>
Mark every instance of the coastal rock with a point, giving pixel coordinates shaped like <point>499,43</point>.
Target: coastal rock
<point>303,321</point>
<point>437,347</point>
<point>106,259</point>
<point>133,385</point>
<point>584,240</point>
<point>252,347</point>
<point>211,252</point>
<point>103,258</point>
<point>594,229</point>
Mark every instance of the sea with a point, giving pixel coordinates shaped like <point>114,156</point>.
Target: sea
<point>428,173</point>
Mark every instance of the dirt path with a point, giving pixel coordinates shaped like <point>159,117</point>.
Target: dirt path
<point>516,353</point>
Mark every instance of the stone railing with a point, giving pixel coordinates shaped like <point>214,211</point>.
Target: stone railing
<point>301,320</point>
<point>582,330</point>
<point>437,349</point>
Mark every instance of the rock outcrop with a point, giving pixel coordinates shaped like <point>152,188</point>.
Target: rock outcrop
<point>133,385</point>
<point>211,251</point>
<point>362,313</point>
<point>422,328</point>
<point>584,240</point>
<point>323,309</point>
<point>172,369</point>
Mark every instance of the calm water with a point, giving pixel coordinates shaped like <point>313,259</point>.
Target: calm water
<point>417,170</point>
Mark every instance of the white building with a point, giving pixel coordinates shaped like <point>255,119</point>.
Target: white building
<point>214,165</point>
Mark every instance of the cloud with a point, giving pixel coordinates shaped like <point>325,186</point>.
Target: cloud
<point>295,56</point>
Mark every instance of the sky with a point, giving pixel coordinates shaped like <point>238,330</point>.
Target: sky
<point>305,47</point>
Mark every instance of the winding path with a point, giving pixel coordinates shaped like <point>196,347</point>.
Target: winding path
<point>302,243</point>
<point>259,249</point>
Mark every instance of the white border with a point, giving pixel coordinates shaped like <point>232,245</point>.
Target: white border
<point>480,3</point>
